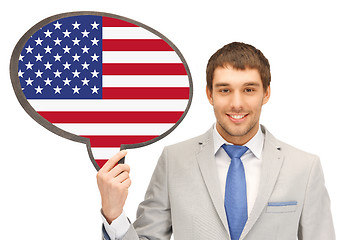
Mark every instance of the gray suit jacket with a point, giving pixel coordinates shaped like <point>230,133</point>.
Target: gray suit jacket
<point>184,196</point>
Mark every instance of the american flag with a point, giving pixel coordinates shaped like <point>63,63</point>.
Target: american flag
<point>105,79</point>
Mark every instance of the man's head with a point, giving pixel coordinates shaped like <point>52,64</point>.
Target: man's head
<point>238,79</point>
<point>239,56</point>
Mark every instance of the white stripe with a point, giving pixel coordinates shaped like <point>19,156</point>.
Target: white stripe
<point>140,57</point>
<point>127,33</point>
<point>108,105</point>
<point>145,81</point>
<point>104,153</point>
<point>115,129</point>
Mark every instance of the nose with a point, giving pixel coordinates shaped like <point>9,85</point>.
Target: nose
<point>237,102</point>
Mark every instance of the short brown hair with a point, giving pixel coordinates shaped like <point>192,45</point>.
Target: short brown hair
<point>239,56</point>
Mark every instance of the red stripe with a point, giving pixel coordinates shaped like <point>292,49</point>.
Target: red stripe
<point>101,162</point>
<point>113,22</point>
<point>112,117</point>
<point>146,93</point>
<point>116,141</point>
<point>135,45</point>
<point>144,69</point>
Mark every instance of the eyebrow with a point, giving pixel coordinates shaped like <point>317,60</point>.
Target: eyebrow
<point>246,84</point>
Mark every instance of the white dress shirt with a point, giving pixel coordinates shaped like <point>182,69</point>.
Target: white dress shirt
<point>251,160</point>
<point>252,163</point>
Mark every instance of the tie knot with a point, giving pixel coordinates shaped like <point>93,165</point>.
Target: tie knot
<point>234,151</point>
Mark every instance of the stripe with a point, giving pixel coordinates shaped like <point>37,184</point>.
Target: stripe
<point>116,141</point>
<point>111,117</point>
<point>143,69</point>
<point>127,33</point>
<point>135,45</point>
<point>115,129</point>
<point>104,153</point>
<point>145,93</point>
<point>145,81</point>
<point>140,57</point>
<point>112,105</point>
<point>101,162</point>
<point>114,22</point>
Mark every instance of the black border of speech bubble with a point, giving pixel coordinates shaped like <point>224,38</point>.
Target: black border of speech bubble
<point>14,63</point>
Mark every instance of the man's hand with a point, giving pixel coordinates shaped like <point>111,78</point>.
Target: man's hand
<point>113,182</point>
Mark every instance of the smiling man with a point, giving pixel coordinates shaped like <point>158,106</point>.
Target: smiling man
<point>236,181</point>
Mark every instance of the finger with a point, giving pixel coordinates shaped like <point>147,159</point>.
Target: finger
<point>113,161</point>
<point>122,177</point>
<point>126,183</point>
<point>118,169</point>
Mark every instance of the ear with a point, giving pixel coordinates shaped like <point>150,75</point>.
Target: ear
<point>209,95</point>
<point>266,95</point>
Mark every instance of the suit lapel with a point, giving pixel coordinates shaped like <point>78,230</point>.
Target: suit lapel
<point>271,166</point>
<point>205,158</point>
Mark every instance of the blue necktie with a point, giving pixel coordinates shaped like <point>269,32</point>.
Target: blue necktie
<point>235,193</point>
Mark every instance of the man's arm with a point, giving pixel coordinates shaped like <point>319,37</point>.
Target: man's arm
<point>154,213</point>
<point>316,219</point>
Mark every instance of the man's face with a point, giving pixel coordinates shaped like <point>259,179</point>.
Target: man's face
<point>237,98</point>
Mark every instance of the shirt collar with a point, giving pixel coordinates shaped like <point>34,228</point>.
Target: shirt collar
<point>255,144</point>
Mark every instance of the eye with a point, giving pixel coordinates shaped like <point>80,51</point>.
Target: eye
<point>249,90</point>
<point>224,90</point>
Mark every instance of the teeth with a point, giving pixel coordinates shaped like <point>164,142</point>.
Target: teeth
<point>237,116</point>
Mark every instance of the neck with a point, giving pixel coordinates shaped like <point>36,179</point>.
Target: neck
<point>238,139</point>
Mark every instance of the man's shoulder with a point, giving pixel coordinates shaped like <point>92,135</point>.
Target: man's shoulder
<point>192,143</point>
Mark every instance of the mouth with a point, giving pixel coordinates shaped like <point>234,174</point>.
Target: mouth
<point>237,118</point>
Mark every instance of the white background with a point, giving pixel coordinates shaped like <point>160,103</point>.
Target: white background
<point>48,184</point>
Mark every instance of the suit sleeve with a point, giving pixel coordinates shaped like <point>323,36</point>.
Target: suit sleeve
<point>316,219</point>
<point>154,213</point>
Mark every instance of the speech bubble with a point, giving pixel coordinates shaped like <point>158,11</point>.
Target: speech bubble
<point>101,79</point>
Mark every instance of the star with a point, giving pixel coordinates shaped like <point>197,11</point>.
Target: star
<point>76,41</point>
<point>48,49</point>
<point>21,58</point>
<point>85,49</point>
<point>95,41</point>
<point>76,57</point>
<point>94,90</point>
<point>94,25</point>
<point>66,49</point>
<point>29,82</point>
<point>57,41</point>
<point>85,81</point>
<point>57,73</point>
<point>67,82</point>
<point>57,90</point>
<point>38,89</point>
<point>76,25</point>
<point>29,66</point>
<point>48,65</point>
<point>38,57</point>
<point>94,57</point>
<point>76,73</point>
<point>76,90</point>
<point>85,33</point>
<point>48,81</point>
<point>57,25</point>
<point>38,41</point>
<point>57,57</point>
<point>20,73</point>
<point>29,49</point>
<point>38,73</point>
<point>66,65</point>
<point>66,33</point>
<point>48,33</point>
<point>94,73</point>
<point>85,65</point>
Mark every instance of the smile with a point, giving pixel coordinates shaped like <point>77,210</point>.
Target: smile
<point>237,117</point>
